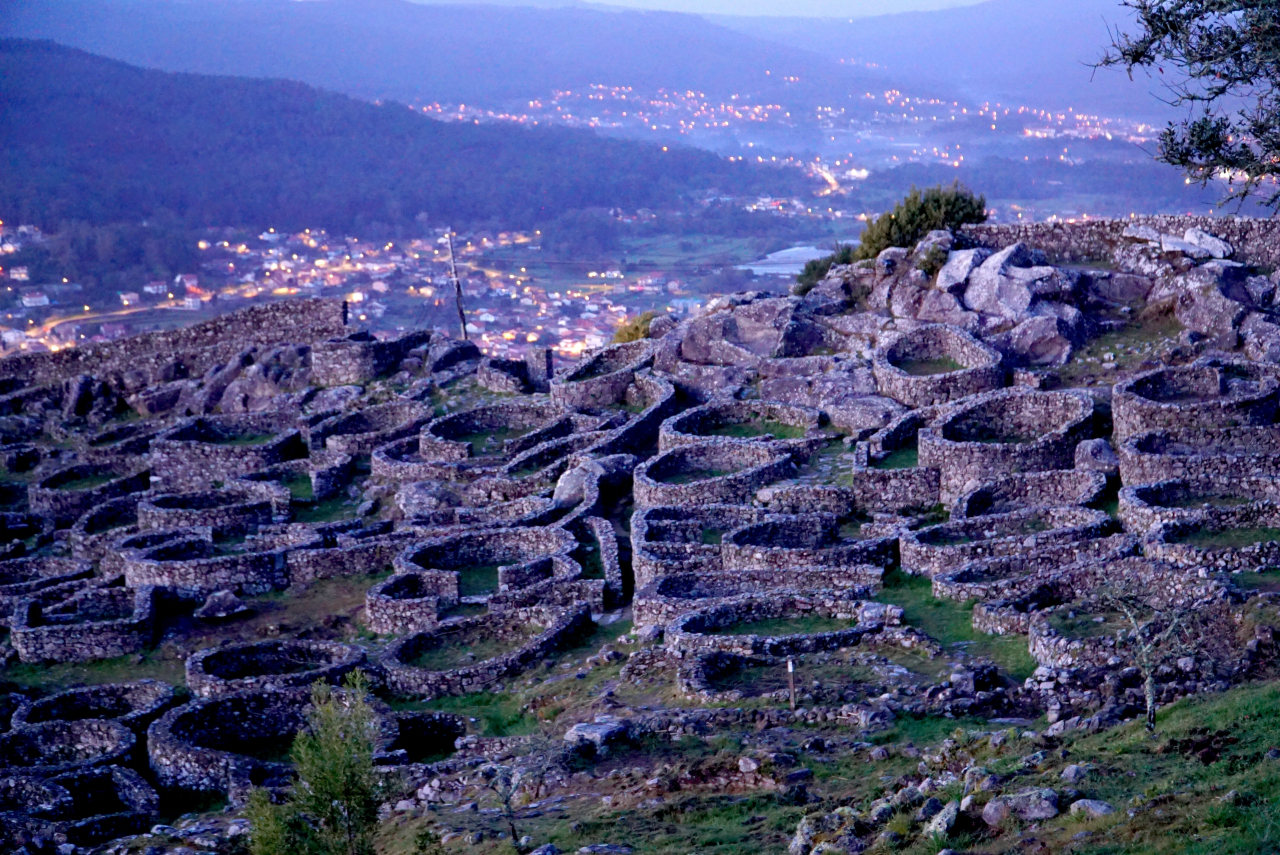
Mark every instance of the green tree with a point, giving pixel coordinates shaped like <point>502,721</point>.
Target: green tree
<point>1221,59</point>
<point>332,809</point>
<point>920,213</point>
<point>911,219</point>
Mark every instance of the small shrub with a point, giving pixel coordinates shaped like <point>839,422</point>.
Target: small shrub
<point>634,329</point>
<point>932,261</point>
<point>333,809</point>
<point>920,213</point>
<point>816,270</point>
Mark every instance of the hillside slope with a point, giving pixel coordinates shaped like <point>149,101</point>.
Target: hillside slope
<point>394,49</point>
<point>1035,53</point>
<point>94,139</point>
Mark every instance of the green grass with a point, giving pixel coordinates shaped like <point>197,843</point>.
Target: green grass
<point>122,669</point>
<point>491,443</point>
<point>711,537</point>
<point>1266,581</point>
<point>764,427</point>
<point>330,510</point>
<point>88,482</point>
<point>496,714</point>
<point>928,367</point>
<point>784,626</point>
<point>246,439</point>
<point>477,579</point>
<point>681,478</point>
<point>1087,625</point>
<point>460,648</point>
<point>1227,538</point>
<point>1199,501</point>
<point>902,458</point>
<point>951,623</point>
<point>299,487</point>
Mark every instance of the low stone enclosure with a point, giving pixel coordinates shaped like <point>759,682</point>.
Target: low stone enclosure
<point>722,472</point>
<point>1011,430</point>
<point>603,378</point>
<point>488,562</point>
<point>1220,454</point>
<point>936,364</point>
<point>412,664</point>
<point>68,494</point>
<point>706,630</point>
<point>747,421</point>
<point>363,431</point>
<point>206,451</point>
<point>135,705</point>
<point>1209,394</point>
<point>269,665</point>
<point>95,623</point>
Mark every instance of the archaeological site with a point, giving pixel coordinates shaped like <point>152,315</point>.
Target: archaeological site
<point>887,564</point>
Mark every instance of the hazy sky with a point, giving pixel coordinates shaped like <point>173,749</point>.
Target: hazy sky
<point>786,8</point>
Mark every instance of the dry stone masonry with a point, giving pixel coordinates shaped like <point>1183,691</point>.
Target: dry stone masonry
<point>277,498</point>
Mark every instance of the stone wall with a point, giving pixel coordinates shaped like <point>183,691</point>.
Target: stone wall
<point>1031,489</point>
<point>269,665</point>
<point>201,452</point>
<point>52,498</point>
<point>197,347</point>
<point>749,467</point>
<point>559,628</point>
<point>1011,430</point>
<point>344,361</point>
<point>97,623</point>
<point>603,378</point>
<point>980,369</point>
<point>1256,242</point>
<point>1201,396</point>
<point>1220,456</point>
<point>41,580</point>
<point>940,548</point>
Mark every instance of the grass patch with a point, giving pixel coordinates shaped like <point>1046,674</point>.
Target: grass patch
<point>902,458</point>
<point>490,443</point>
<point>88,482</point>
<point>1235,538</point>
<point>951,623</point>
<point>711,537</point>
<point>695,476</point>
<point>299,487</point>
<point>246,439</point>
<point>459,648</point>
<point>764,427</point>
<point>477,580</point>
<point>928,367</point>
<point>330,510</point>
<point>785,626</point>
<point>1266,581</point>
<point>488,714</point>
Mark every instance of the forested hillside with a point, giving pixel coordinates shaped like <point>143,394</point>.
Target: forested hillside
<point>92,139</point>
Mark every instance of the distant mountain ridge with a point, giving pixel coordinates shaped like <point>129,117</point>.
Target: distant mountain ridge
<point>395,49</point>
<point>1034,53</point>
<point>88,138</point>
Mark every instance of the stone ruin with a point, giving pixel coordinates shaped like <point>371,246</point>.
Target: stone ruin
<point>791,462</point>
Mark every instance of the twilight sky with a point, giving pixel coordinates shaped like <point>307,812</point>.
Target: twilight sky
<point>784,8</point>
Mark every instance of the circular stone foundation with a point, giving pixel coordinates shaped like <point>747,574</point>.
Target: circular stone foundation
<point>134,705</point>
<point>270,665</point>
<point>936,364</point>
<point>56,747</point>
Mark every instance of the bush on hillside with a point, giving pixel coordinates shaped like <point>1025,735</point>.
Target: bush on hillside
<point>920,213</point>
<point>634,329</point>
<point>910,220</point>
<point>816,270</point>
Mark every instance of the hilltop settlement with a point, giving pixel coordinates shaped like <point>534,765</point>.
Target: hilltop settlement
<point>908,560</point>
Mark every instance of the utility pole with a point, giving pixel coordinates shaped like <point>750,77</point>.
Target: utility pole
<point>457,287</point>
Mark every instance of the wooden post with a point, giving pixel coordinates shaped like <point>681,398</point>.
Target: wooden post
<point>457,287</point>
<point>791,679</point>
